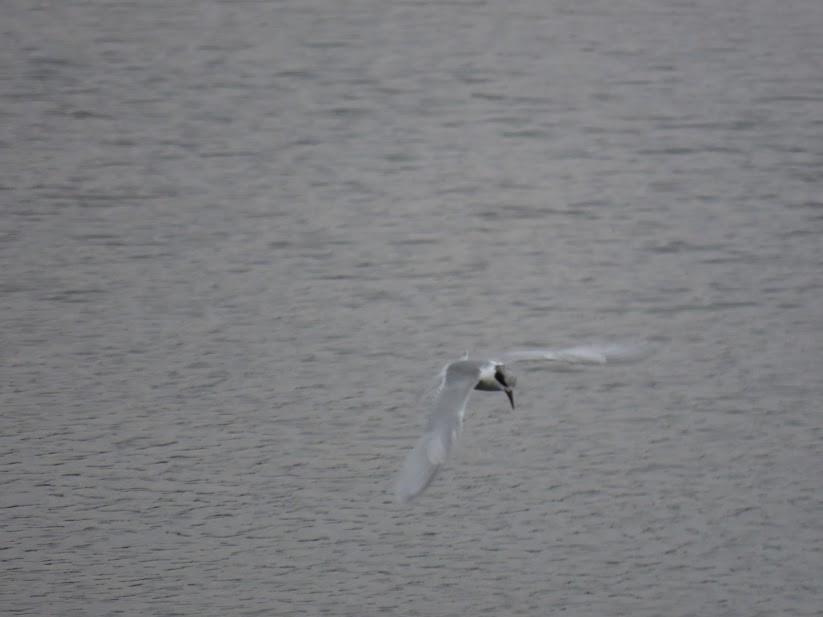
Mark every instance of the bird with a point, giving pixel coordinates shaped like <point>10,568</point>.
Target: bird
<point>455,383</point>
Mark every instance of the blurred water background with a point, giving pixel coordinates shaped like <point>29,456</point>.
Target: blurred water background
<point>239,238</point>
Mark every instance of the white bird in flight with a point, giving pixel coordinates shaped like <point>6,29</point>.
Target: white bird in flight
<point>458,379</point>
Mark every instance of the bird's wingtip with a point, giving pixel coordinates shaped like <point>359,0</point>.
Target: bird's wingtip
<point>404,492</point>
<point>402,498</point>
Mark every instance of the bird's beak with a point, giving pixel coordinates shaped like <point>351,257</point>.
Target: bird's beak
<point>510,393</point>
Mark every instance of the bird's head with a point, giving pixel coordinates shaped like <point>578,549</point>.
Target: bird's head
<point>507,381</point>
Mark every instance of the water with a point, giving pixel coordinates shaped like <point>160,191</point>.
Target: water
<point>239,238</point>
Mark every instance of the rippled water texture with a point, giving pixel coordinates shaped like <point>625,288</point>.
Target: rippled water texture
<point>239,238</point>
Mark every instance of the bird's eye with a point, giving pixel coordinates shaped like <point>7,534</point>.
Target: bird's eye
<point>500,377</point>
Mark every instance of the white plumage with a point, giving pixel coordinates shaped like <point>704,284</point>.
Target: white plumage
<point>449,398</point>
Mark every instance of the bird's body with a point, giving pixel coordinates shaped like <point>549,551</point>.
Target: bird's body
<point>449,398</point>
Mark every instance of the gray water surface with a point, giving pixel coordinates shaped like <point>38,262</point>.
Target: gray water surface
<point>239,238</point>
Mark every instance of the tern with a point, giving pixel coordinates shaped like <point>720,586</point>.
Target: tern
<point>455,384</point>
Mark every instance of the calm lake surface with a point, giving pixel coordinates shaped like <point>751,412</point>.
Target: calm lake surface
<point>238,239</point>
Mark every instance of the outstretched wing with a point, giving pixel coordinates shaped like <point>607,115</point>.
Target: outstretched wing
<point>589,354</point>
<point>443,428</point>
